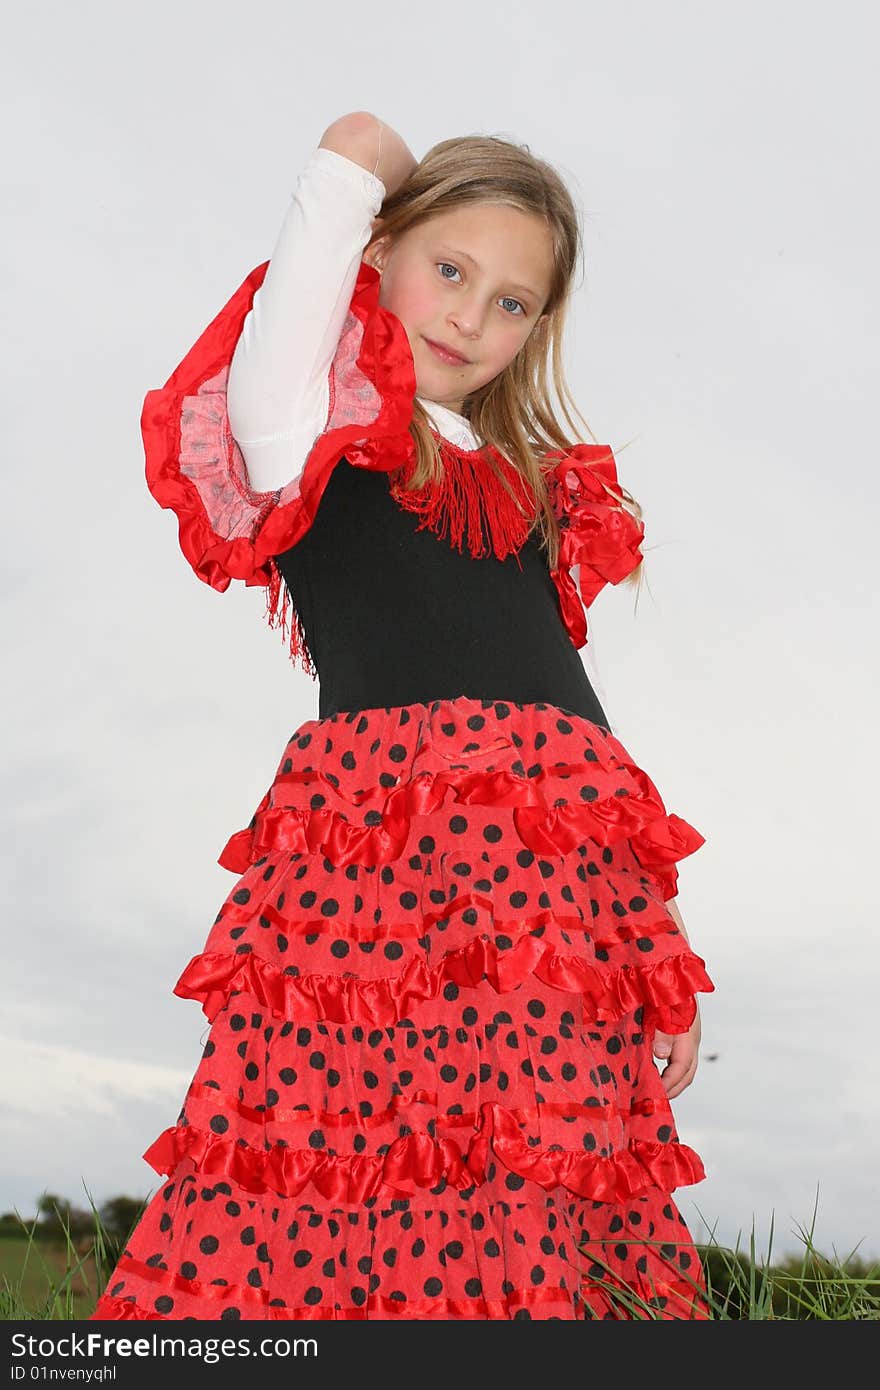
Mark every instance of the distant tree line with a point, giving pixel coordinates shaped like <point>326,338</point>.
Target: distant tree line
<point>56,1219</point>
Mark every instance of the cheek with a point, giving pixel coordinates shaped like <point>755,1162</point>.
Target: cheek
<point>413,298</point>
<point>507,343</point>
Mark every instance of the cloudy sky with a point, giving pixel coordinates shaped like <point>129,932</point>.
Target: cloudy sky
<point>725,342</point>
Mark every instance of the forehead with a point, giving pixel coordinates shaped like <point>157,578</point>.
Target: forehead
<point>503,241</point>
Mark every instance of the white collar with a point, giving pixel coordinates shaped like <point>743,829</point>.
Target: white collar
<point>450,424</point>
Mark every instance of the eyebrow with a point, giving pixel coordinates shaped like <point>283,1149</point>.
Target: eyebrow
<point>524,289</point>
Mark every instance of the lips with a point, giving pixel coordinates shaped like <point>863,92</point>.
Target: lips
<point>445,354</point>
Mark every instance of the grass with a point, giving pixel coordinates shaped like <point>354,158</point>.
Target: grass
<point>55,1279</point>
<point>806,1287</point>
<point>61,1280</point>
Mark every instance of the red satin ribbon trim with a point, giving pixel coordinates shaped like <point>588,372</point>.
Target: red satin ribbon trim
<point>571,610</point>
<point>278,1114</point>
<point>641,817</point>
<point>416,1160</point>
<point>648,1290</point>
<point>471,1308</point>
<point>678,1291</point>
<point>623,934</point>
<point>380,794</point>
<point>200,1288</point>
<point>110,1309</point>
<point>596,531</point>
<point>666,985</point>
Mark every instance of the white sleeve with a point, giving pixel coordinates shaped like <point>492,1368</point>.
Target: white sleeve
<point>278,392</point>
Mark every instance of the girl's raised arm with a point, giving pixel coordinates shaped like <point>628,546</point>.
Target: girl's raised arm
<point>278,378</point>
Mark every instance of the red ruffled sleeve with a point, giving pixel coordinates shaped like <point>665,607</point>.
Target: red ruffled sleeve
<point>194,466</point>
<point>597,534</point>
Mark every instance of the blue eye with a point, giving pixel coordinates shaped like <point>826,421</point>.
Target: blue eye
<point>447,265</point>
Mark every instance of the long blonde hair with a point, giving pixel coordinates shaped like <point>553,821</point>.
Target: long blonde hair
<point>514,412</point>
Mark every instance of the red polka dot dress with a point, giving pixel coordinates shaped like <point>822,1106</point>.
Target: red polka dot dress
<point>428,1089</point>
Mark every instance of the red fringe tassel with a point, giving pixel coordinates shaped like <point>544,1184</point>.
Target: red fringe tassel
<point>280,611</point>
<point>470,498</point>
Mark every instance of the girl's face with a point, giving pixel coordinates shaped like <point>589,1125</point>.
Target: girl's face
<point>474,280</point>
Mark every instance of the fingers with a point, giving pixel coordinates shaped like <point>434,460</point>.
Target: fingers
<point>683,1051</point>
<point>682,1066</point>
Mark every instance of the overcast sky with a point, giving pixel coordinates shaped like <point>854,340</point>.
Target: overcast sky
<point>725,343</point>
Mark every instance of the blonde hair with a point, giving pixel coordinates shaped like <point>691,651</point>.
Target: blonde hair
<point>514,411</point>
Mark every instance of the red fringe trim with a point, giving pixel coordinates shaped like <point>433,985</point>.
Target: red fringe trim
<point>471,499</point>
<point>280,611</point>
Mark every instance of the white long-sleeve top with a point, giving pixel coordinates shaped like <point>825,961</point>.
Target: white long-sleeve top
<point>278,387</point>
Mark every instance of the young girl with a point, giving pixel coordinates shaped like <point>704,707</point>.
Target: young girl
<point>450,955</point>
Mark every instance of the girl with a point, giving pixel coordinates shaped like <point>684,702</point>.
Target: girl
<point>438,984</point>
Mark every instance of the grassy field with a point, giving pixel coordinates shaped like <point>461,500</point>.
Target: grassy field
<point>41,1280</point>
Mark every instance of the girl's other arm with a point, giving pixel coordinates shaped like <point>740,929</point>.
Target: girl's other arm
<point>676,917</point>
<point>277,393</point>
<point>681,1049</point>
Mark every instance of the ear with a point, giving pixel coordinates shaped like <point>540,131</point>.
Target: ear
<point>375,254</point>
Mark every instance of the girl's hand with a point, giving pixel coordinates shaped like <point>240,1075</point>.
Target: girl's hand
<point>683,1050</point>
<point>366,140</point>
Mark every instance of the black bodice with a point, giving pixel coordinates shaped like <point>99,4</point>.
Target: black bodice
<point>394,615</point>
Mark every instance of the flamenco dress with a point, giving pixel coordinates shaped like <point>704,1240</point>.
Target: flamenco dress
<point>428,1090</point>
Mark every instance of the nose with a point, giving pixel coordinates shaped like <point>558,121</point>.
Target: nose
<point>467,318</point>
